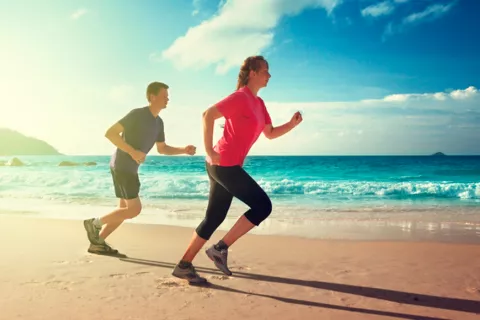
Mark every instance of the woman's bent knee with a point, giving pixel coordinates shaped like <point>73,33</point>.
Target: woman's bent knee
<point>258,213</point>
<point>267,208</point>
<point>206,228</point>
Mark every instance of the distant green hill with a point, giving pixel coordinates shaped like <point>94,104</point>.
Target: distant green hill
<point>13,143</point>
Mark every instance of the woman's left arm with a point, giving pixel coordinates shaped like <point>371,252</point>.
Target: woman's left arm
<point>272,132</point>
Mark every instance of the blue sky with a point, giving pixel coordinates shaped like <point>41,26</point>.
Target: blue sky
<point>370,76</point>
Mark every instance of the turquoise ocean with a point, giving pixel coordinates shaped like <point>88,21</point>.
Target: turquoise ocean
<point>311,195</point>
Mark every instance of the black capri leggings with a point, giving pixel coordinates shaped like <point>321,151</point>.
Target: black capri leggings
<point>226,183</point>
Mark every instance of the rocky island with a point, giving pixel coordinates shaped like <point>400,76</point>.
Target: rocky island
<point>13,143</point>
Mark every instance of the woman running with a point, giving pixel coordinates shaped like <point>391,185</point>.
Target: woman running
<point>246,117</point>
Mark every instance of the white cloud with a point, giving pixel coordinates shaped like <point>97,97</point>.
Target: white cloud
<point>414,101</point>
<point>417,96</point>
<point>78,14</point>
<point>397,97</point>
<point>384,8</point>
<point>241,28</point>
<point>379,9</point>
<point>464,94</point>
<point>440,96</point>
<point>432,12</point>
<point>396,124</point>
<point>196,6</point>
<point>204,7</point>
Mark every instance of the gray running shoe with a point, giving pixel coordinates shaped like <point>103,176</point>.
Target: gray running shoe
<point>105,249</point>
<point>93,232</point>
<point>189,274</point>
<point>219,257</point>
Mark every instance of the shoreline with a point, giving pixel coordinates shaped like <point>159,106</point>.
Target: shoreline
<point>45,272</point>
<point>410,227</point>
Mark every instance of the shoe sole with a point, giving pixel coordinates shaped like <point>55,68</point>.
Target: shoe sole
<point>204,281</point>
<point>219,266</point>
<point>118,254</point>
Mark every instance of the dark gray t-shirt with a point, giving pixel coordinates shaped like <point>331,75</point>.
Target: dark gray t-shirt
<point>141,131</point>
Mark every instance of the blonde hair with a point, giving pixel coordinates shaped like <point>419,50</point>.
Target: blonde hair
<point>252,63</point>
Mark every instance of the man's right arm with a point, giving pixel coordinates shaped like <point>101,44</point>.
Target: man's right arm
<point>113,134</point>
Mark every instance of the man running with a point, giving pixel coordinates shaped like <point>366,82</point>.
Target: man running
<point>134,136</point>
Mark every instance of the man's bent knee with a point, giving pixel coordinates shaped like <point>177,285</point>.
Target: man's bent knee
<point>134,207</point>
<point>135,211</point>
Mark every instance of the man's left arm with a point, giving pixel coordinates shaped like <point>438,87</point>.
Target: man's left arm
<point>165,149</point>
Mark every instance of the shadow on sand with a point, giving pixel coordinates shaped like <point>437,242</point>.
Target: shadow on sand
<point>444,303</point>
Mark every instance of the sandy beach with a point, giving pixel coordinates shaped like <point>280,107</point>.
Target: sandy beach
<point>46,273</point>
<point>345,128</point>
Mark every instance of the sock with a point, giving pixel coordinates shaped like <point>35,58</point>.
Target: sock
<point>184,264</point>
<point>97,222</point>
<point>221,246</point>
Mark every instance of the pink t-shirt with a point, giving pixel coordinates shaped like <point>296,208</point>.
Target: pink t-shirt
<point>245,118</point>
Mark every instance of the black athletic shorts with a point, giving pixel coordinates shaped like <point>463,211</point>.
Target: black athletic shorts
<point>127,184</point>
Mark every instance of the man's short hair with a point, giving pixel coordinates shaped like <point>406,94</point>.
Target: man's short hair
<point>154,88</point>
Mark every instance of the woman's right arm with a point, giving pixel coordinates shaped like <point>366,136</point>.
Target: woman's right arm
<point>209,117</point>
<point>226,108</point>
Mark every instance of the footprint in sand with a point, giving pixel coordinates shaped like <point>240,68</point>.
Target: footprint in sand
<point>125,275</point>
<point>178,284</point>
<point>473,290</point>
<point>65,262</point>
<point>59,284</point>
<point>33,282</point>
<point>240,268</point>
<point>108,298</point>
<point>167,283</point>
<point>342,272</point>
<point>221,277</point>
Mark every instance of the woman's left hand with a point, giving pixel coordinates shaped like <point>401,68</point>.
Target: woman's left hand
<point>296,119</point>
